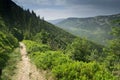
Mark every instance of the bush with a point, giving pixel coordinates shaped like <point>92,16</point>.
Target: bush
<point>49,59</point>
<point>79,49</point>
<point>11,64</point>
<point>7,44</point>
<point>33,46</point>
<point>64,68</point>
<point>81,71</point>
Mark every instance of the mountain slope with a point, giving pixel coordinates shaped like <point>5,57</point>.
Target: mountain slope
<point>24,24</point>
<point>44,43</point>
<point>55,21</point>
<point>96,28</point>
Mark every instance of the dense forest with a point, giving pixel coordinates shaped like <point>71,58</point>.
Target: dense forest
<point>52,49</point>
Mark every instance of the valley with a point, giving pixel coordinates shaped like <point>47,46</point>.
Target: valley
<point>96,29</point>
<point>71,49</point>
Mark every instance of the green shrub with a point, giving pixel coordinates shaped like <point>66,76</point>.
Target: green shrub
<point>81,71</point>
<point>33,46</point>
<point>81,49</point>
<point>7,43</point>
<point>9,70</point>
<point>64,68</point>
<point>49,59</point>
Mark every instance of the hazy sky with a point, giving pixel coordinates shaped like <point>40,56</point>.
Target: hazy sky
<point>54,9</point>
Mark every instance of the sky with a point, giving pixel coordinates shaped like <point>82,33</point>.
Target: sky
<point>56,9</point>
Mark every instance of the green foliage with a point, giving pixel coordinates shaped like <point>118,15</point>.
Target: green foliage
<point>3,60</point>
<point>81,71</point>
<point>43,57</point>
<point>18,34</point>
<point>25,24</point>
<point>115,46</point>
<point>49,59</point>
<point>80,49</point>
<point>7,44</point>
<point>64,68</point>
<point>9,70</point>
<point>33,46</point>
<point>112,59</point>
<point>2,24</point>
<point>98,56</point>
<point>42,37</point>
<point>4,43</point>
<point>116,31</point>
<point>115,43</point>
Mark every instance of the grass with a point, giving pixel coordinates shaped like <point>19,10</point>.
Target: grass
<point>9,70</point>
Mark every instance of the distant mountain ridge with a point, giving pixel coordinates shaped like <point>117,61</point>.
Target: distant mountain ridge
<point>96,28</point>
<point>55,21</point>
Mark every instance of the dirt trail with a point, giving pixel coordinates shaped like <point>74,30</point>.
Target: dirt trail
<point>26,70</point>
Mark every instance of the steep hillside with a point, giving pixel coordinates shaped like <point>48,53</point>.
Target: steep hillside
<point>61,55</point>
<point>24,24</point>
<point>94,28</point>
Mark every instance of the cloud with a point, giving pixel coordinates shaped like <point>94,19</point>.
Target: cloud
<point>96,3</point>
<point>51,14</point>
<point>53,9</point>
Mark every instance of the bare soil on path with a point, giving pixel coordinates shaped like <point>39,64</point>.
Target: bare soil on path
<point>25,69</point>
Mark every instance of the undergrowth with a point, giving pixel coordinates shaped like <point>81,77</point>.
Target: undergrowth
<point>10,67</point>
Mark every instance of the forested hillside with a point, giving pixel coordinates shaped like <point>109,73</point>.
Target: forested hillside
<point>25,24</point>
<point>60,54</point>
<point>17,24</point>
<point>96,28</point>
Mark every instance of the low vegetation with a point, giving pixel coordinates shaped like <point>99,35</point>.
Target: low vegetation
<point>50,48</point>
<point>8,43</point>
<point>9,70</point>
<point>82,60</point>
